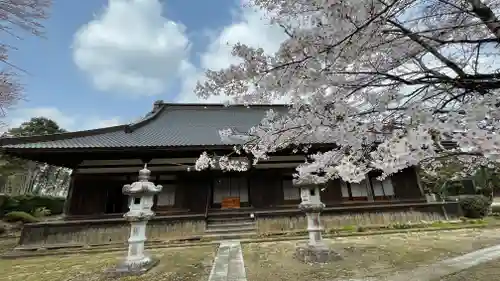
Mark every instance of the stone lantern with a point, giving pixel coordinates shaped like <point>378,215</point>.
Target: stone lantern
<point>315,251</point>
<point>311,205</point>
<point>141,194</point>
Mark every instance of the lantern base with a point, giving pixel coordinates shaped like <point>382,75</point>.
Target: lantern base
<point>319,253</point>
<point>132,269</point>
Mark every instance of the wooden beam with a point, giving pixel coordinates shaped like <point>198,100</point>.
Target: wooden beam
<point>131,169</point>
<point>167,177</point>
<point>135,169</point>
<point>110,162</point>
<point>277,165</point>
<point>286,158</point>
<point>164,161</point>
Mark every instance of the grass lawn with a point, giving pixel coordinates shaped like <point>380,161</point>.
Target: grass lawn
<point>176,264</point>
<point>367,256</point>
<point>483,272</point>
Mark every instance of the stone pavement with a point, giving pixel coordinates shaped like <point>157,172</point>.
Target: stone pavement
<point>449,266</point>
<point>228,264</point>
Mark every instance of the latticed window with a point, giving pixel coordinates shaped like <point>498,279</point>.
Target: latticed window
<point>290,193</point>
<point>362,191</point>
<point>167,196</point>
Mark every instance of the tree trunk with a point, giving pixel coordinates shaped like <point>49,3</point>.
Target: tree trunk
<point>487,16</point>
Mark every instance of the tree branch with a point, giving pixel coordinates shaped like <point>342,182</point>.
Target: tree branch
<point>486,15</point>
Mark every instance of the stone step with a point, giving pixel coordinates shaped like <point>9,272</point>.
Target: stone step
<point>242,210</point>
<point>226,236</point>
<point>229,219</point>
<point>230,229</point>
<point>230,224</point>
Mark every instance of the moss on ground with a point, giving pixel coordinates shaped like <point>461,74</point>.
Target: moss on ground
<point>368,256</point>
<point>180,264</point>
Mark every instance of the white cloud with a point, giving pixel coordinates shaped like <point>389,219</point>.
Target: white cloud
<point>250,28</point>
<point>66,121</point>
<point>131,48</point>
<point>94,122</point>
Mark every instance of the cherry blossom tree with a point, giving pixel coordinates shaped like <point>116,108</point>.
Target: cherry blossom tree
<point>387,81</point>
<point>17,16</point>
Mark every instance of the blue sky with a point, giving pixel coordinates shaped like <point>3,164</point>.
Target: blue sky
<point>106,62</point>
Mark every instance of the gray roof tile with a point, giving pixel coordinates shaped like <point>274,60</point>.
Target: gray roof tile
<point>171,125</point>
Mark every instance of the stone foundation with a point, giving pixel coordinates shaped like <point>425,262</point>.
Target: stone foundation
<point>124,269</point>
<point>315,254</point>
<point>365,216</point>
<point>103,232</point>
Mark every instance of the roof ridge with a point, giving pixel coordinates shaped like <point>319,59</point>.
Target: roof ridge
<point>59,136</point>
<point>159,107</point>
<point>82,133</point>
<point>225,105</point>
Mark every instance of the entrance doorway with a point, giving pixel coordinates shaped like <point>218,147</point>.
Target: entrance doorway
<point>116,202</point>
<point>230,192</point>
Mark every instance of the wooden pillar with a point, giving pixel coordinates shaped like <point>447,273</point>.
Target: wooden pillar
<point>69,196</point>
<point>369,190</point>
<point>419,182</point>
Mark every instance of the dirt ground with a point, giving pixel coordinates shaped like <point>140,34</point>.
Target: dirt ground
<point>176,264</point>
<point>485,272</point>
<point>7,244</point>
<point>369,256</point>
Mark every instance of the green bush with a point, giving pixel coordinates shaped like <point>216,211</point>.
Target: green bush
<point>41,212</point>
<point>475,206</point>
<point>30,204</point>
<point>20,217</point>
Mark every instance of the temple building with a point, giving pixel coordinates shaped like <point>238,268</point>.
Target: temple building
<point>193,203</point>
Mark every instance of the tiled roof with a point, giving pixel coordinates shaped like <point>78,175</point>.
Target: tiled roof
<point>169,125</point>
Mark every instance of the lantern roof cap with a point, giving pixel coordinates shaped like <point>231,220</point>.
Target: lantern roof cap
<point>143,185</point>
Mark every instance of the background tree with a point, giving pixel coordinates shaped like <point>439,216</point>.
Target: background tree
<point>447,175</point>
<point>17,16</point>
<point>35,127</point>
<point>386,80</point>
<point>36,177</point>
<point>437,180</point>
<point>487,180</point>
